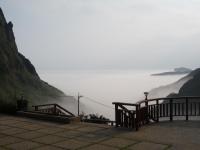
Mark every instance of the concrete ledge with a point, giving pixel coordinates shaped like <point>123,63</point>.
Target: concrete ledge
<point>46,117</point>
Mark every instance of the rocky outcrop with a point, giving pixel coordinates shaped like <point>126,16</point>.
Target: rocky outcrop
<point>186,86</point>
<point>17,75</point>
<point>192,87</point>
<point>165,90</point>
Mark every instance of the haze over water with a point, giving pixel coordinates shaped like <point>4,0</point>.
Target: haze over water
<point>105,87</point>
<point>97,34</point>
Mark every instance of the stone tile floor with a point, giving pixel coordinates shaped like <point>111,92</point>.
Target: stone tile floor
<point>17,133</point>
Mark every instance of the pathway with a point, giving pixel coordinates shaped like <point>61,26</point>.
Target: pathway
<point>23,133</point>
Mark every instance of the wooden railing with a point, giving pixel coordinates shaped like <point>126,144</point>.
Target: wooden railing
<point>151,110</point>
<point>125,117</point>
<point>52,109</point>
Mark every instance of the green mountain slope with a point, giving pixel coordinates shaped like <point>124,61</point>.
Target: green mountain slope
<point>191,87</point>
<point>17,75</point>
<point>186,86</point>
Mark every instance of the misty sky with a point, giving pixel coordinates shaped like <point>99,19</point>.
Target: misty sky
<point>106,34</point>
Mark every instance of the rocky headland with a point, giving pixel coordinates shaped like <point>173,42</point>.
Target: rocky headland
<point>18,76</point>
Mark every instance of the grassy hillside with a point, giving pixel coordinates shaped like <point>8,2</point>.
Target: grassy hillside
<point>192,87</point>
<point>186,86</point>
<point>17,75</point>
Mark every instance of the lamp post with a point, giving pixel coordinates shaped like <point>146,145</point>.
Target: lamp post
<point>146,105</point>
<point>146,98</point>
<point>79,96</point>
<point>146,95</point>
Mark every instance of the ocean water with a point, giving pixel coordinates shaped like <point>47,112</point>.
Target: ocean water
<point>100,88</point>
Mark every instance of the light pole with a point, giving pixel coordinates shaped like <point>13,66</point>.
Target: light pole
<point>146,105</point>
<point>79,96</point>
<point>146,99</point>
<point>146,95</point>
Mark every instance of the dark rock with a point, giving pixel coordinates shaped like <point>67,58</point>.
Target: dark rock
<point>192,87</point>
<point>17,74</point>
<point>177,71</point>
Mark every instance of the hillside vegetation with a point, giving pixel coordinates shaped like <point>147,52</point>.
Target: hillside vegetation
<point>191,87</point>
<point>17,75</point>
<point>186,86</point>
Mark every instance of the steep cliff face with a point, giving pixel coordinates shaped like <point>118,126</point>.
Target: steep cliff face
<point>186,86</point>
<point>192,87</point>
<point>17,74</point>
<point>166,90</point>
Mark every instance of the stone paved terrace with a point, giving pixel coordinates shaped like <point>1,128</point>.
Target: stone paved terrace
<point>23,133</point>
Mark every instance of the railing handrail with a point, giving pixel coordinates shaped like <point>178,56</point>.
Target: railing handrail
<point>167,98</point>
<point>127,104</point>
<point>55,105</point>
<point>65,110</point>
<point>43,105</point>
<point>141,114</point>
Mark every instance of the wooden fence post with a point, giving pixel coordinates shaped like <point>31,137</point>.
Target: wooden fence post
<point>54,109</point>
<point>147,111</point>
<point>157,110</point>
<point>137,118</point>
<point>186,104</point>
<point>171,109</point>
<point>116,116</point>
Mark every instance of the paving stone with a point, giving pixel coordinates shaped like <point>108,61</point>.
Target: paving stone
<point>4,127</point>
<point>118,142</point>
<point>6,117</point>
<point>72,144</point>
<point>6,122</point>
<point>33,127</point>
<point>89,129</point>
<point>19,124</point>
<point>2,135</point>
<point>31,121</point>
<point>49,124</point>
<point>72,126</point>
<point>25,145</point>
<point>103,126</point>
<point>22,119</point>
<point>91,137</point>
<point>184,146</point>
<point>12,131</point>
<point>99,147</point>
<point>103,133</point>
<point>48,148</point>
<point>147,145</point>
<point>50,130</point>
<point>69,133</point>
<point>113,131</point>
<point>2,148</point>
<point>9,140</point>
<point>30,135</point>
<point>181,135</point>
<point>49,139</point>
<point>2,118</point>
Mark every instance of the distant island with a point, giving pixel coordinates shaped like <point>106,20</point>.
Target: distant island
<point>177,71</point>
